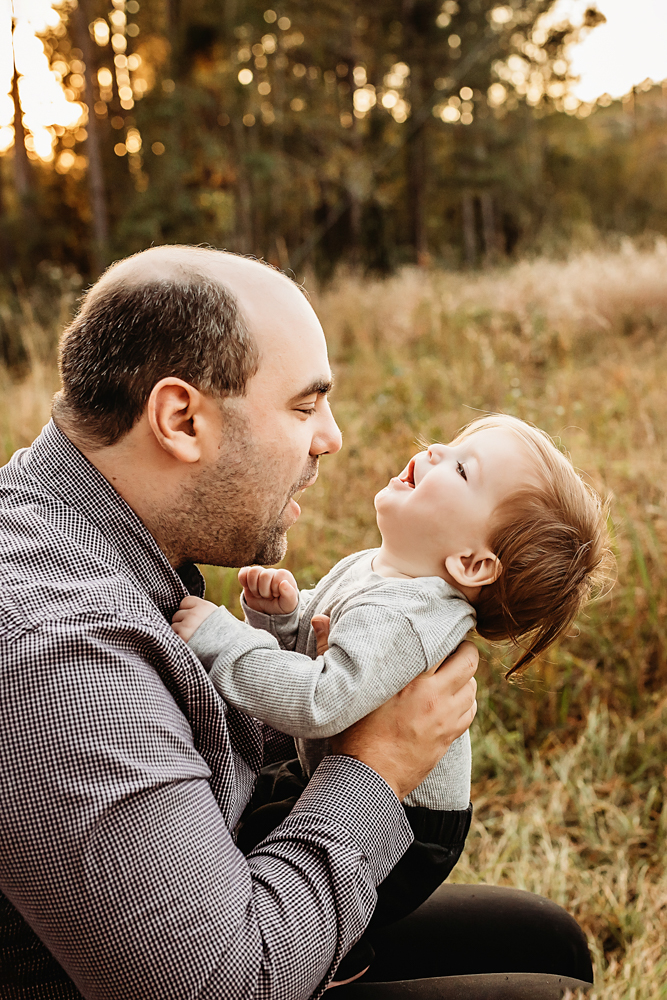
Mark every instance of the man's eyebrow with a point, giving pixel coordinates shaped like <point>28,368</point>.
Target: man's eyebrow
<point>320,387</point>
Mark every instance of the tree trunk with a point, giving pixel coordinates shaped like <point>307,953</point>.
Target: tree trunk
<point>95,174</point>
<point>417,171</point>
<point>6,256</point>
<point>488,226</point>
<point>243,200</point>
<point>22,176</point>
<point>469,237</point>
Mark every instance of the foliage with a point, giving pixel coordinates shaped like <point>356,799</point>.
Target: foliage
<point>310,133</point>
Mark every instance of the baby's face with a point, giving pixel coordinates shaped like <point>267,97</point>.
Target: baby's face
<point>443,502</point>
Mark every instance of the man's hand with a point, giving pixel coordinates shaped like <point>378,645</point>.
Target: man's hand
<point>406,737</point>
<point>271,591</point>
<point>320,626</point>
<point>191,613</point>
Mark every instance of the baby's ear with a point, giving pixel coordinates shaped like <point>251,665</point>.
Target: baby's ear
<point>474,569</point>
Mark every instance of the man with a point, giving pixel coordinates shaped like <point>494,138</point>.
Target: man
<point>194,406</point>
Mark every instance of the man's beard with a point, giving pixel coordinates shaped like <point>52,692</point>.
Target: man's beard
<point>234,512</point>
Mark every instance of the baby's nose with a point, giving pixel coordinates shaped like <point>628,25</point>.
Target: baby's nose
<point>436,452</point>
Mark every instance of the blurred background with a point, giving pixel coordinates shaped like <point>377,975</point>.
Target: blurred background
<point>475,196</point>
<point>312,135</point>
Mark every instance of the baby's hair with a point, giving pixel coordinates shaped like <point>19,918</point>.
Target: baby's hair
<point>552,542</point>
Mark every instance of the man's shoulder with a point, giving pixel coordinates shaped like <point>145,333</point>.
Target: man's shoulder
<point>55,564</point>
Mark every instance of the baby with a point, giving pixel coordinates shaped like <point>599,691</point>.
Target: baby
<point>495,531</point>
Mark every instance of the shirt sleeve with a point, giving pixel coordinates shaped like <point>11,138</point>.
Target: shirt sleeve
<point>115,851</point>
<point>374,651</point>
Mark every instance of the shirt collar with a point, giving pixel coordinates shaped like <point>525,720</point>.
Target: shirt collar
<point>64,470</point>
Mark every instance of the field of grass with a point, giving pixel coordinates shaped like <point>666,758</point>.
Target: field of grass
<point>570,772</point>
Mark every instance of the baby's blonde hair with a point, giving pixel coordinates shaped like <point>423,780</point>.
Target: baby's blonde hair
<point>553,545</point>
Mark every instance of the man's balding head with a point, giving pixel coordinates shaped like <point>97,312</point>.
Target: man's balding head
<point>183,263</point>
<point>196,382</point>
<point>187,312</point>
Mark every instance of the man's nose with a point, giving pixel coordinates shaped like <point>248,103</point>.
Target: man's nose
<point>327,439</point>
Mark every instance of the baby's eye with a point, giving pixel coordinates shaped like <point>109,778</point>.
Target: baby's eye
<point>461,471</point>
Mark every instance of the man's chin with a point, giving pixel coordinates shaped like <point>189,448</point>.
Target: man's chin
<point>272,551</point>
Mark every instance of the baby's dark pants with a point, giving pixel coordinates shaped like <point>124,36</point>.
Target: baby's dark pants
<point>431,941</point>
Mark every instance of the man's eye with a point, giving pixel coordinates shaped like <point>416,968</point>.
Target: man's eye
<point>306,409</point>
<point>461,471</point>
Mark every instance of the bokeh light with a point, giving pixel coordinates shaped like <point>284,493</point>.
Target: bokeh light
<point>45,102</point>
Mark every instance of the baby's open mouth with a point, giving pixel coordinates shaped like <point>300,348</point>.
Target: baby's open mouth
<point>409,474</point>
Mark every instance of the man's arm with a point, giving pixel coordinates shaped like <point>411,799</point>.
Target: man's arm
<point>116,852</point>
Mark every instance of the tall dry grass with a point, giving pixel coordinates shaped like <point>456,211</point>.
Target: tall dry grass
<point>570,780</point>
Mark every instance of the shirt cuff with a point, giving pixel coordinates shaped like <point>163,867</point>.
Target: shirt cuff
<point>356,797</point>
<point>282,626</point>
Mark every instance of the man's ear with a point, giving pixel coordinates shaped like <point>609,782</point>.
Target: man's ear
<point>177,416</point>
<point>474,569</point>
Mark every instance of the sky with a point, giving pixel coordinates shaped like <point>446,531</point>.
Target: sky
<point>612,58</point>
<point>618,55</point>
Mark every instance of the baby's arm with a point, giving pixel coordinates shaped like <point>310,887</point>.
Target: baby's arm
<point>272,601</point>
<point>269,591</point>
<point>192,612</point>
<point>374,652</point>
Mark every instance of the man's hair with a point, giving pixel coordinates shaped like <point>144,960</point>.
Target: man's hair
<point>128,337</point>
<point>553,545</point>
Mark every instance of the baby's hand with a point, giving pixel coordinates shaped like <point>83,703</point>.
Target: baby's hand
<point>271,591</point>
<point>191,613</point>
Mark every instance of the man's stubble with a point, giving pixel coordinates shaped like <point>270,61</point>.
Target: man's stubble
<point>233,513</point>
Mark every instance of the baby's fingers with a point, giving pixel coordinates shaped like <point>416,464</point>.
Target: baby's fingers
<point>265,586</point>
<point>280,577</point>
<point>249,577</point>
<point>188,603</point>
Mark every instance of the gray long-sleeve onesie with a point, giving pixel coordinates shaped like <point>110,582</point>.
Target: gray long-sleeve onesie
<point>383,633</point>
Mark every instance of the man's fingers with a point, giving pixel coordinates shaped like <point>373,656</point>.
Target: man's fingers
<point>458,668</point>
<point>320,626</point>
<point>467,719</point>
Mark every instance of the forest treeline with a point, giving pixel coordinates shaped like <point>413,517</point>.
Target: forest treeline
<point>311,134</point>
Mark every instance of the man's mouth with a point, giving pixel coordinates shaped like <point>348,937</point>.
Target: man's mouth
<point>303,486</point>
<point>295,496</point>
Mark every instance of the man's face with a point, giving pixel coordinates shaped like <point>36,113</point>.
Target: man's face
<point>241,503</point>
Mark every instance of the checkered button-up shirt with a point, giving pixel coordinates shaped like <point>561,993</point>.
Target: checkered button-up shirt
<point>123,775</point>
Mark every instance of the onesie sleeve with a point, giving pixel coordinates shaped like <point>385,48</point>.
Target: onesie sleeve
<point>374,651</point>
<point>284,627</point>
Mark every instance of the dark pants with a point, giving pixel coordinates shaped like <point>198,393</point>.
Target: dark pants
<point>465,942</point>
<point>477,942</point>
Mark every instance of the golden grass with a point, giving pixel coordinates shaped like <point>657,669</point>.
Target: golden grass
<point>570,766</point>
